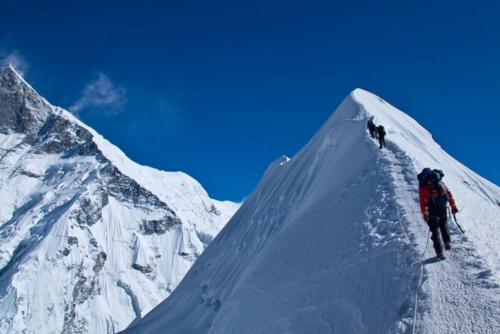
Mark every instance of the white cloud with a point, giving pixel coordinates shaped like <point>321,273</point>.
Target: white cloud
<point>101,94</point>
<point>16,60</point>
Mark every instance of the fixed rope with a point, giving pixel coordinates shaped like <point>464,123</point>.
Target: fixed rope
<point>421,268</point>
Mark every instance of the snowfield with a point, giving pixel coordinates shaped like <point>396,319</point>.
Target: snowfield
<point>333,241</point>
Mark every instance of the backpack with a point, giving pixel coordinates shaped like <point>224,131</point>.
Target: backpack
<point>439,196</point>
<point>381,131</point>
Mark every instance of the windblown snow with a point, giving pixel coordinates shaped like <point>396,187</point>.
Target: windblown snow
<point>333,241</point>
<point>90,241</point>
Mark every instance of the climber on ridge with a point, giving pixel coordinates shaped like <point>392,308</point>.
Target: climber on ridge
<point>381,136</point>
<point>371,127</point>
<point>434,196</point>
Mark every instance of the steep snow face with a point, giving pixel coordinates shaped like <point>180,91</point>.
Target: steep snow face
<point>333,241</point>
<point>90,241</point>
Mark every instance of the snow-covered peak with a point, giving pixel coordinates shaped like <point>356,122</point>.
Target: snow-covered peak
<point>391,117</point>
<point>9,69</point>
<point>333,241</point>
<point>9,75</point>
<point>22,110</point>
<point>411,137</point>
<point>16,74</point>
<point>90,241</point>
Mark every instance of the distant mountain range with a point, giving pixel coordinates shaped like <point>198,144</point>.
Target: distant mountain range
<point>90,241</point>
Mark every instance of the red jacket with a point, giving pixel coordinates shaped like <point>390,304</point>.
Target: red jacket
<point>424,195</point>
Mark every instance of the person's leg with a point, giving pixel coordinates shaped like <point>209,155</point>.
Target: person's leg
<point>443,227</point>
<point>433,224</point>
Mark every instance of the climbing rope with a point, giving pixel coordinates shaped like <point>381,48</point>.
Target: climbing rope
<point>419,260</point>
<point>421,268</point>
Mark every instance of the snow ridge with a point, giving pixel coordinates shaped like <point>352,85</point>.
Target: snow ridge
<point>333,241</point>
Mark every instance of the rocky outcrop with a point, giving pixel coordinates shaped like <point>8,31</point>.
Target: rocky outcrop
<point>22,110</point>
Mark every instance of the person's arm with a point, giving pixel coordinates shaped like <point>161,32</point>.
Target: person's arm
<point>452,200</point>
<point>423,202</point>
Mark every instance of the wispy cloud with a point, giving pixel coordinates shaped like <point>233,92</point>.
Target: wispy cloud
<point>101,94</point>
<point>168,111</point>
<point>16,60</point>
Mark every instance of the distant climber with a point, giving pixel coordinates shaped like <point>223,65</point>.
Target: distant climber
<point>434,196</point>
<point>381,136</point>
<point>371,127</point>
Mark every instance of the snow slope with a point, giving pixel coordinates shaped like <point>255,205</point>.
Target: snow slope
<point>333,241</point>
<point>90,241</point>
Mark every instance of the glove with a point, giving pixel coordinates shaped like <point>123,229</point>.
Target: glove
<point>425,214</point>
<point>454,209</point>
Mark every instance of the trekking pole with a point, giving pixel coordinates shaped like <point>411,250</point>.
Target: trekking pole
<point>460,227</point>
<point>455,219</point>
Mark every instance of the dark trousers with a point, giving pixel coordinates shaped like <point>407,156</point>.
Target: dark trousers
<point>437,223</point>
<point>381,141</point>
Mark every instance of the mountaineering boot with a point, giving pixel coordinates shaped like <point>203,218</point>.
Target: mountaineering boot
<point>440,256</point>
<point>447,246</point>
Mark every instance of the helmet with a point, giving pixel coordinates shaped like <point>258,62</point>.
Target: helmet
<point>423,177</point>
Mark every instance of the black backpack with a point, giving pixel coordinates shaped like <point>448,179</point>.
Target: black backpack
<point>381,131</point>
<point>439,196</point>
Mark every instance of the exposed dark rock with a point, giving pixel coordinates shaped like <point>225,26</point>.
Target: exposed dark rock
<point>83,289</point>
<point>214,210</point>
<point>87,148</point>
<point>144,269</point>
<point>65,251</point>
<point>87,213</point>
<point>93,242</point>
<point>100,261</point>
<point>30,174</point>
<point>160,226</point>
<point>72,241</point>
<point>87,210</point>
<point>59,135</point>
<point>22,110</point>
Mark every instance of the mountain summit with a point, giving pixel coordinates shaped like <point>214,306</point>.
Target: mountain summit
<point>90,241</point>
<point>333,241</point>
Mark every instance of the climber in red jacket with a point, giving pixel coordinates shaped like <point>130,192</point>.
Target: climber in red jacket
<point>434,196</point>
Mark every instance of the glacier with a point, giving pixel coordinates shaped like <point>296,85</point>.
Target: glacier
<point>333,241</point>
<point>90,240</point>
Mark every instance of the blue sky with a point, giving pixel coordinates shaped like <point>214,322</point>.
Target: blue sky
<point>220,89</point>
